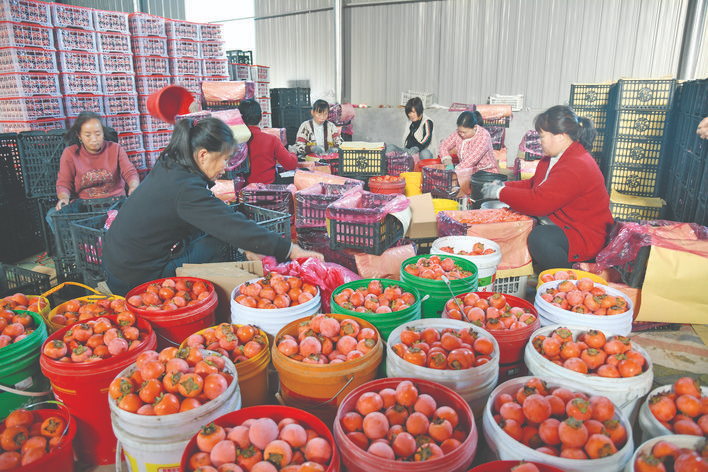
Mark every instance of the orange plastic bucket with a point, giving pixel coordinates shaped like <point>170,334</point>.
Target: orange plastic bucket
<point>83,387</point>
<point>426,162</point>
<point>61,458</point>
<point>397,186</point>
<point>169,102</point>
<point>174,326</point>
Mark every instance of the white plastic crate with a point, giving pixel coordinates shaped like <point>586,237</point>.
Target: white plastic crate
<point>151,83</point>
<point>28,60</point>
<point>75,104</point>
<point>116,63</point>
<point>115,21</point>
<point>142,24</point>
<point>29,84</point>
<point>183,48</point>
<point>124,123</point>
<point>190,82</point>
<point>26,11</point>
<point>211,32</point>
<point>264,102</point>
<point>266,121</point>
<point>185,66</point>
<point>182,30</point>
<point>512,285</point>
<point>241,71</point>
<point>260,73</point>
<point>76,40</point>
<point>110,42</point>
<point>215,67</point>
<point>68,16</point>
<point>81,82</point>
<point>149,46</point>
<point>212,50</point>
<point>262,89</point>
<point>34,125</point>
<point>118,83</point>
<point>156,140</point>
<point>425,97</point>
<point>216,78</point>
<point>23,35</point>
<point>142,104</point>
<point>516,101</point>
<point>151,158</point>
<point>148,123</point>
<point>137,158</point>
<point>31,108</point>
<point>119,104</point>
<point>79,61</point>
<point>146,65</point>
<point>131,142</point>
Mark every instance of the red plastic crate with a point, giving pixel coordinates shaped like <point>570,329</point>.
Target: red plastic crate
<point>156,140</point>
<point>148,123</point>
<point>264,102</point>
<point>112,42</point>
<point>81,82</point>
<point>215,78</point>
<point>145,65</point>
<point>185,66</point>
<point>124,123</point>
<point>151,158</point>
<point>119,104</point>
<point>27,60</point>
<point>116,64</point>
<point>76,40</point>
<point>115,21</point>
<point>183,48</point>
<point>149,46</point>
<point>29,84</point>
<point>68,16</point>
<point>31,108</point>
<point>118,83</point>
<point>137,158</point>
<point>262,89</point>
<point>182,30</point>
<point>75,104</point>
<point>266,121</point>
<point>34,125</point>
<point>79,61</point>
<point>148,84</point>
<point>260,73</point>
<point>142,24</point>
<point>131,142</point>
<point>23,35</point>
<point>211,32</point>
<point>212,50</point>
<point>218,67</point>
<point>190,82</point>
<point>26,11</point>
<point>142,104</point>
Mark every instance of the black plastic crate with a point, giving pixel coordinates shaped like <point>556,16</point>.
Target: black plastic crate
<point>362,163</point>
<point>634,180</point>
<point>242,168</point>
<point>630,123</point>
<point>332,160</point>
<point>272,196</point>
<point>599,158</point>
<point>15,279</point>
<point>684,204</point>
<point>398,163</point>
<point>312,239</point>
<point>439,182</point>
<point>371,238</point>
<point>635,152</point>
<point>597,115</point>
<point>88,236</point>
<point>68,271</point>
<point>623,211</point>
<point>289,118</point>
<point>23,233</point>
<point>701,216</point>
<point>310,207</point>
<point>497,134</point>
<point>275,221</point>
<point>240,57</point>
<point>290,97</point>
<point>589,96</point>
<point>643,94</point>
<point>633,272</point>
<point>423,245</point>
<point>40,153</point>
<point>11,182</point>
<point>343,257</point>
<point>500,123</point>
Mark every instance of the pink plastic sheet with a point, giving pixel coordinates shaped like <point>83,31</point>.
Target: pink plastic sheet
<point>385,266</point>
<point>224,190</point>
<point>278,133</point>
<point>360,206</point>
<point>228,91</point>
<point>493,112</point>
<point>531,142</point>
<point>305,179</point>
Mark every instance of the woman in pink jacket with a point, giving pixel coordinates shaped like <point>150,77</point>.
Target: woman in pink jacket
<point>472,143</point>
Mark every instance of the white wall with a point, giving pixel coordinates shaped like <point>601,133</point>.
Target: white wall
<point>235,15</point>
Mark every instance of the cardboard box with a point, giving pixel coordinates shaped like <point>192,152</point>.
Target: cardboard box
<point>423,220</point>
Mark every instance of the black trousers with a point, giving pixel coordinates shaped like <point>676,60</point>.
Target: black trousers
<point>549,248</point>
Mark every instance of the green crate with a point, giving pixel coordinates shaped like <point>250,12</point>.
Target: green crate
<point>589,96</point>
<point>644,94</point>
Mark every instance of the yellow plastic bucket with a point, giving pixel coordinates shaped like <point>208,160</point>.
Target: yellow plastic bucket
<point>579,273</point>
<point>252,374</point>
<point>444,204</point>
<point>413,181</point>
<point>321,388</point>
<point>51,326</point>
<point>44,312</point>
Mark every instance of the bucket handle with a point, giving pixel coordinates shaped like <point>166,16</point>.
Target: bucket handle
<point>24,393</point>
<point>63,284</point>
<point>351,377</point>
<point>166,339</point>
<point>60,404</point>
<point>119,457</point>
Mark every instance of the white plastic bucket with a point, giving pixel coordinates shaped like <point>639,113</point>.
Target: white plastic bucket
<point>486,265</point>
<point>152,443</point>
<point>472,384</point>
<point>650,426</point>
<point>624,392</point>
<point>506,448</point>
<point>271,321</point>
<point>552,315</point>
<point>680,440</point>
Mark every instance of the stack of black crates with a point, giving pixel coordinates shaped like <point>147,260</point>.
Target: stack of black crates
<point>289,108</point>
<point>591,101</point>
<point>687,189</point>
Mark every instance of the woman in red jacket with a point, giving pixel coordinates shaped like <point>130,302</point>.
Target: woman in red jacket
<point>567,193</point>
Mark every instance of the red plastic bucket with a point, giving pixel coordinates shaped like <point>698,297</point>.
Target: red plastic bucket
<point>83,388</point>
<point>61,458</point>
<point>426,162</point>
<point>506,466</point>
<point>174,326</point>
<point>169,102</point>
<point>355,459</point>
<point>511,342</point>
<point>276,413</point>
<point>387,187</point>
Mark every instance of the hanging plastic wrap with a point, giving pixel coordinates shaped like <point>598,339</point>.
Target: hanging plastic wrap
<point>304,179</point>
<point>360,206</point>
<point>493,112</point>
<point>278,133</point>
<point>312,202</point>
<point>228,91</point>
<point>531,143</point>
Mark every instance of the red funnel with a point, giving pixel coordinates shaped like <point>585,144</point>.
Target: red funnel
<point>169,102</point>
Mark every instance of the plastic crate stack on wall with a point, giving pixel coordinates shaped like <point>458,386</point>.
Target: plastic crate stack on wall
<point>592,101</point>
<point>289,108</point>
<point>30,92</point>
<point>184,51</point>
<point>215,65</point>
<point>261,76</point>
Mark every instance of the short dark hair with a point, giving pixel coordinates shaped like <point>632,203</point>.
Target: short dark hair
<point>320,105</point>
<point>468,119</point>
<point>250,111</point>
<point>416,104</point>
<point>561,119</point>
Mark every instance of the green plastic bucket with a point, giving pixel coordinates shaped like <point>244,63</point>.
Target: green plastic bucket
<point>21,380</point>
<point>437,290</point>
<point>384,322</point>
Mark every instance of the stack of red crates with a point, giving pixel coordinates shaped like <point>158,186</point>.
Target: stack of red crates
<point>215,67</point>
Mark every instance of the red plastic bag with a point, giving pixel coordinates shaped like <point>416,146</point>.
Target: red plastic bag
<point>360,206</point>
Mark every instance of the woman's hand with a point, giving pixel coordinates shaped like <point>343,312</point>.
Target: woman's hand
<point>297,252</point>
<point>62,202</point>
<point>131,189</point>
<point>702,130</point>
<point>252,256</point>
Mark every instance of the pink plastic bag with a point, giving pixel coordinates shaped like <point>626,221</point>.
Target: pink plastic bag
<point>360,206</point>
<point>227,91</point>
<point>385,266</point>
<point>326,275</point>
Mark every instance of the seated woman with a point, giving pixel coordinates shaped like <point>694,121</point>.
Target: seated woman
<point>472,143</point>
<point>318,136</point>
<point>418,133</point>
<point>567,193</point>
<point>173,218</point>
